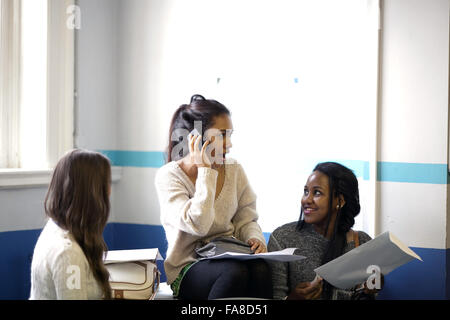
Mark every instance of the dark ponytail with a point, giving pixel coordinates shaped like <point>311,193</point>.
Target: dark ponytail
<point>184,119</point>
<point>342,181</point>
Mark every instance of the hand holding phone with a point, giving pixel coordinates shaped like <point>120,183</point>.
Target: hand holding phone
<point>197,150</point>
<point>195,133</point>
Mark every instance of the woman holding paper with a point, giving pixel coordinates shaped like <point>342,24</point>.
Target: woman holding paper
<point>203,196</point>
<point>329,205</point>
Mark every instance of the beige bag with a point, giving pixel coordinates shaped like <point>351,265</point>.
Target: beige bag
<point>137,280</point>
<point>133,273</point>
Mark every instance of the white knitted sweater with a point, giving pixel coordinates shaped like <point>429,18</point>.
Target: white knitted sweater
<point>60,269</point>
<point>191,214</point>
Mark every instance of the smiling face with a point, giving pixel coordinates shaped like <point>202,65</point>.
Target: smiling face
<point>316,201</point>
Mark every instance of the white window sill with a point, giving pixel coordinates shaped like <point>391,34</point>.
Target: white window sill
<point>23,178</point>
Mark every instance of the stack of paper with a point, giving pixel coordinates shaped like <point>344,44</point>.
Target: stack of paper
<point>285,255</point>
<point>385,251</point>
<point>118,256</point>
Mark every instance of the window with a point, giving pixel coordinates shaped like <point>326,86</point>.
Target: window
<point>36,83</point>
<point>33,88</point>
<point>9,82</point>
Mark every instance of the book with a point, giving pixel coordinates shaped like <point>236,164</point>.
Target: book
<point>119,256</point>
<point>285,255</point>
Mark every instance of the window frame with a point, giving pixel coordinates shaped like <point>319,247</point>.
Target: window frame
<point>60,93</point>
<point>10,82</point>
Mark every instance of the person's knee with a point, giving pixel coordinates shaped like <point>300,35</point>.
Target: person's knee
<point>232,282</point>
<point>260,269</point>
<point>261,280</point>
<point>237,271</point>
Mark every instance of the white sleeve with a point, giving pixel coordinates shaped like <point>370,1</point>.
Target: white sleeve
<point>69,274</point>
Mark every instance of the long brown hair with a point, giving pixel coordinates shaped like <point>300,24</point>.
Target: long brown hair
<point>78,201</point>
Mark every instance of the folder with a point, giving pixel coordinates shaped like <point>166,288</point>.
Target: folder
<point>386,252</point>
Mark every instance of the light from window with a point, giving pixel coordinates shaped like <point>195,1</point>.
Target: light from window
<point>33,113</point>
<point>299,78</point>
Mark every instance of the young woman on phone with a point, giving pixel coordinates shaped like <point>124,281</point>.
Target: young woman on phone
<point>204,195</point>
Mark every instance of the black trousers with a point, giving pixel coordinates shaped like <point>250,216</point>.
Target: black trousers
<point>225,278</point>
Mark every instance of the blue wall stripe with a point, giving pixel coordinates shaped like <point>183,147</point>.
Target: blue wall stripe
<point>360,168</point>
<point>387,171</point>
<point>143,159</point>
<point>156,159</point>
<point>413,172</point>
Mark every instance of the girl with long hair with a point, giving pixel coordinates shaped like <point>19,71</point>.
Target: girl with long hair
<point>68,257</point>
<point>204,195</point>
<point>329,205</point>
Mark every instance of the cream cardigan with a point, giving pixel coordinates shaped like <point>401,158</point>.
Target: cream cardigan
<point>190,214</point>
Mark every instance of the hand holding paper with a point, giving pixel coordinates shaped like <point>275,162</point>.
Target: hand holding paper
<point>386,252</point>
<point>307,290</point>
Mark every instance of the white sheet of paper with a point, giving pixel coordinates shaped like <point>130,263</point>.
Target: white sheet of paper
<point>285,255</point>
<point>117,256</point>
<point>385,251</point>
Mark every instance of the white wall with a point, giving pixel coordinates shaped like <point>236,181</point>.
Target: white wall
<point>414,117</point>
<point>166,54</point>
<point>415,81</point>
<point>97,79</point>
<point>97,75</point>
<point>141,125</point>
<point>22,209</point>
<point>169,50</point>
